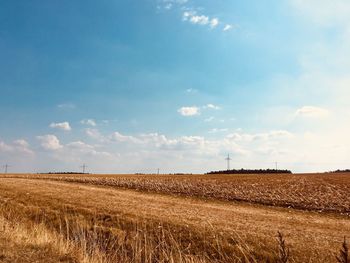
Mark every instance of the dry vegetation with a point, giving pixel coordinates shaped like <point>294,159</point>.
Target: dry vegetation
<point>89,218</point>
<point>317,192</point>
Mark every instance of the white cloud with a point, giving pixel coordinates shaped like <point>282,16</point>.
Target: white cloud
<point>94,134</point>
<point>49,142</point>
<point>189,111</point>
<point>61,126</point>
<point>187,15</point>
<point>202,20</point>
<point>22,146</point>
<point>68,156</point>
<point>210,119</point>
<point>19,146</point>
<point>211,106</point>
<point>214,22</point>
<point>22,143</point>
<point>5,147</point>
<point>227,27</point>
<point>191,90</point>
<point>272,135</point>
<point>79,145</point>
<point>90,122</point>
<point>200,146</point>
<point>311,112</point>
<point>81,152</point>
<point>66,106</point>
<point>216,130</point>
<point>181,2</point>
<point>117,136</point>
<point>194,18</point>
<point>190,14</point>
<point>128,151</point>
<point>169,4</point>
<point>194,110</point>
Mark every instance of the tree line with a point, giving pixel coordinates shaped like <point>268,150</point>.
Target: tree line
<point>252,171</point>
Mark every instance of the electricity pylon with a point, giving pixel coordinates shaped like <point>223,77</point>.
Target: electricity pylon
<point>228,159</point>
<point>84,166</point>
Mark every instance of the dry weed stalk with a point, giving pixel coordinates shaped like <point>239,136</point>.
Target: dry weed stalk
<point>283,251</point>
<point>344,253</point>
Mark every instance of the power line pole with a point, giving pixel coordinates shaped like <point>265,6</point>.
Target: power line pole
<point>228,159</point>
<point>158,171</point>
<point>84,166</point>
<point>276,165</point>
<point>6,166</point>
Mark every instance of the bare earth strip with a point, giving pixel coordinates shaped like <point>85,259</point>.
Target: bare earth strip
<point>313,237</point>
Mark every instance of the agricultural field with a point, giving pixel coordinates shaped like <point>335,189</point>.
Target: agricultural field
<point>315,192</point>
<point>174,218</point>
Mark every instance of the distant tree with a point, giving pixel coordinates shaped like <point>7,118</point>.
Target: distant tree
<point>341,171</point>
<point>251,171</point>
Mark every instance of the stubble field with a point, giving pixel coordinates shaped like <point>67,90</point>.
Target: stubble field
<point>174,218</point>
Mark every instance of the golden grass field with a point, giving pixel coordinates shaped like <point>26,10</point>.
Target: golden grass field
<point>173,218</point>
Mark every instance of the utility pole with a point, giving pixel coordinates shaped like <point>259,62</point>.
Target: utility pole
<point>83,167</point>
<point>228,159</point>
<point>276,165</point>
<point>158,171</point>
<point>6,166</point>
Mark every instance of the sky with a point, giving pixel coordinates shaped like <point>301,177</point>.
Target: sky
<point>133,86</point>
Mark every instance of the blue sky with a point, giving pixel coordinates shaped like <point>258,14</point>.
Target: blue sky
<point>130,86</point>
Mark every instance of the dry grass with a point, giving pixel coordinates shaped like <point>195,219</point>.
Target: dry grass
<point>86,223</point>
<point>22,241</point>
<point>70,236</point>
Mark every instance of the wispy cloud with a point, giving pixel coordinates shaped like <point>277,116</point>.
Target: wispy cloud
<point>195,110</point>
<point>217,130</point>
<point>89,122</point>
<point>227,27</point>
<point>211,106</point>
<point>169,4</point>
<point>189,111</point>
<point>210,119</point>
<point>5,147</point>
<point>248,137</point>
<point>21,143</point>
<point>22,146</point>
<point>61,126</point>
<point>194,18</point>
<point>312,112</point>
<point>66,106</point>
<point>191,91</point>
<point>117,136</point>
<point>19,146</point>
<point>94,134</point>
<point>192,14</point>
